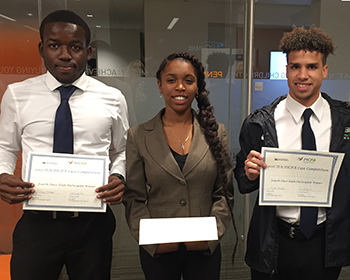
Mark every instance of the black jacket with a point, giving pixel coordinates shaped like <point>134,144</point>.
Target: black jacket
<point>258,130</point>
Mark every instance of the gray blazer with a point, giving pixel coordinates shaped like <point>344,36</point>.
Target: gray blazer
<point>157,188</point>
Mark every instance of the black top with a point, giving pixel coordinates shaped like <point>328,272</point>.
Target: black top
<point>180,159</point>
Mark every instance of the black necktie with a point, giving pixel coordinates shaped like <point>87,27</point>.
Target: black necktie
<point>63,131</point>
<point>308,218</point>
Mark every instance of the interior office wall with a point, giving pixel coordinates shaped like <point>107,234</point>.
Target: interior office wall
<point>325,14</point>
<point>114,47</point>
<point>335,19</point>
<point>266,39</point>
<point>190,33</point>
<point>114,58</point>
<point>99,10</point>
<point>19,60</point>
<point>281,15</point>
<point>315,12</point>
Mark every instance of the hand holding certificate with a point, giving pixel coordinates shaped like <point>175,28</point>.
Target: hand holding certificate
<point>65,182</point>
<point>298,177</point>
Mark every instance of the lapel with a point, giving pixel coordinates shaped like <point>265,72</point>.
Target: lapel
<point>158,147</point>
<point>339,113</point>
<point>199,147</point>
<point>160,152</point>
<point>336,131</point>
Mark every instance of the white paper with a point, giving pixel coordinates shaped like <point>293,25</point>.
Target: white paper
<point>298,177</point>
<point>66,182</point>
<point>169,230</point>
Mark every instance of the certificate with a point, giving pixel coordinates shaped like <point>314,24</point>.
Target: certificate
<point>298,177</point>
<point>169,230</point>
<point>66,182</point>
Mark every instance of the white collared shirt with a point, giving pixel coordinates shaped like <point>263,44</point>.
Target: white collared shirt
<point>28,109</point>
<point>289,120</point>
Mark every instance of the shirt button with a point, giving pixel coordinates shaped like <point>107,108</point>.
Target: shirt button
<point>182,183</point>
<point>183,202</point>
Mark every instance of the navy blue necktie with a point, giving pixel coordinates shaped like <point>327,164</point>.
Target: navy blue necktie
<point>63,131</point>
<point>308,218</point>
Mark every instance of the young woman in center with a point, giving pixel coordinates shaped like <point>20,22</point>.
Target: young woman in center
<point>179,165</point>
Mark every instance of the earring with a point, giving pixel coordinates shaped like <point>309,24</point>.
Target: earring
<point>197,95</point>
<point>160,95</point>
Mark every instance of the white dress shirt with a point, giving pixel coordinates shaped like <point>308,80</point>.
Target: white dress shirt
<point>28,109</point>
<point>289,121</point>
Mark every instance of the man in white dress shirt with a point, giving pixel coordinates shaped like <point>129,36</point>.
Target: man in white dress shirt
<point>44,241</point>
<point>277,246</point>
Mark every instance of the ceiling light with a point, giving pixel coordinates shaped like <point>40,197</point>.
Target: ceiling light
<point>26,26</point>
<point>90,16</point>
<point>98,26</point>
<point>8,18</point>
<point>30,14</point>
<point>172,23</point>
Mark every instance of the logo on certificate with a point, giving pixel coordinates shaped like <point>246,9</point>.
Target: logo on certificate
<point>306,159</point>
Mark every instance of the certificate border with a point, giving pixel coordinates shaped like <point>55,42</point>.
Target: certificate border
<point>72,156</point>
<point>297,203</point>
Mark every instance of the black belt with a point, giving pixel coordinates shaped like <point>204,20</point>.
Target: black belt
<point>294,232</point>
<point>55,214</point>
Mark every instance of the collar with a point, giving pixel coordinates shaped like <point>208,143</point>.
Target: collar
<point>53,84</point>
<point>296,109</point>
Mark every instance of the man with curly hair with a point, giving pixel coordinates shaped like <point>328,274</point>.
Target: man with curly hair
<point>279,245</point>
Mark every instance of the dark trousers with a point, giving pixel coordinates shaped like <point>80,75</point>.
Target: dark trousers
<point>42,245</point>
<point>191,265</point>
<point>300,259</point>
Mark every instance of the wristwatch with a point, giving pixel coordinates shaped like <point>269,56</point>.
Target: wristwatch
<point>120,176</point>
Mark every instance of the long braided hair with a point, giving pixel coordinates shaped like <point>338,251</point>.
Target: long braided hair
<point>209,124</point>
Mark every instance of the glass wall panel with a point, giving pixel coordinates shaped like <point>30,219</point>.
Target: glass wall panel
<point>129,40</point>
<point>19,59</point>
<point>272,18</point>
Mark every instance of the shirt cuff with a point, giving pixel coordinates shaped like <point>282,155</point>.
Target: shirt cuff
<point>120,176</point>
